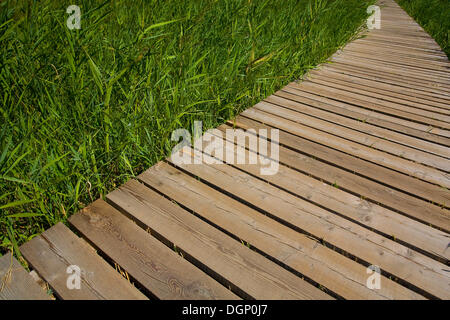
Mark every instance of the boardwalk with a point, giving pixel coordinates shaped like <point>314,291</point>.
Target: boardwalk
<point>363,180</point>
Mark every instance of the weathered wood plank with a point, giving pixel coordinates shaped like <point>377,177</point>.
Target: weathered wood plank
<point>298,251</point>
<point>348,129</point>
<point>58,250</point>
<point>339,232</point>
<point>366,102</point>
<point>398,51</point>
<point>365,116</point>
<point>358,209</point>
<point>382,158</point>
<point>372,83</point>
<point>425,84</point>
<point>247,271</point>
<point>414,105</point>
<point>438,134</point>
<point>418,148</point>
<point>426,88</point>
<point>399,55</point>
<point>326,170</point>
<point>437,68</point>
<point>16,283</point>
<point>377,102</point>
<point>394,72</point>
<point>396,124</point>
<point>429,52</point>
<point>162,271</point>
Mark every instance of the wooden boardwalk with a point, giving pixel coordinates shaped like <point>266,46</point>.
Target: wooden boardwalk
<point>363,179</point>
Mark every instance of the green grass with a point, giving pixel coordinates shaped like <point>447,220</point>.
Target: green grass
<point>433,16</point>
<point>82,111</point>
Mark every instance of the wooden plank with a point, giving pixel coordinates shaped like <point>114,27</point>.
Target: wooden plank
<point>397,50</point>
<point>432,134</point>
<point>402,165</point>
<point>408,62</point>
<point>415,42</point>
<point>402,48</point>
<point>379,87</point>
<point>386,83</point>
<point>405,105</point>
<point>359,131</point>
<point>396,68</point>
<point>414,234</point>
<point>389,148</point>
<point>163,272</point>
<point>403,31</point>
<point>57,249</point>
<point>326,170</point>
<point>419,56</point>
<point>16,283</point>
<point>428,89</point>
<point>396,23</point>
<point>401,26</point>
<point>400,53</point>
<point>378,93</point>
<point>405,46</point>
<point>303,254</point>
<point>248,272</point>
<point>428,84</point>
<point>364,116</point>
<point>391,69</point>
<point>409,119</point>
<point>337,231</point>
<point>411,63</point>
<point>386,38</point>
<point>423,84</point>
<point>406,31</point>
<point>426,149</point>
<point>371,104</point>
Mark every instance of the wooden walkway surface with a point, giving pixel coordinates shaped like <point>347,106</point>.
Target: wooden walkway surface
<point>363,180</point>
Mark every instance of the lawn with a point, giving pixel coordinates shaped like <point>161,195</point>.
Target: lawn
<point>84,110</point>
<point>433,16</point>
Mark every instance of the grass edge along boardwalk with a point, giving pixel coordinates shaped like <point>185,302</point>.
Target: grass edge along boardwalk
<point>362,181</point>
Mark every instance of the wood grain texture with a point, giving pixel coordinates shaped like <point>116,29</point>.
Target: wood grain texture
<point>326,163</point>
<point>358,209</point>
<point>16,283</point>
<point>161,270</point>
<point>342,275</point>
<point>405,127</point>
<point>57,249</point>
<point>248,271</point>
<point>320,223</point>
<point>365,152</point>
<point>245,187</point>
<point>395,143</point>
<point>381,102</point>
